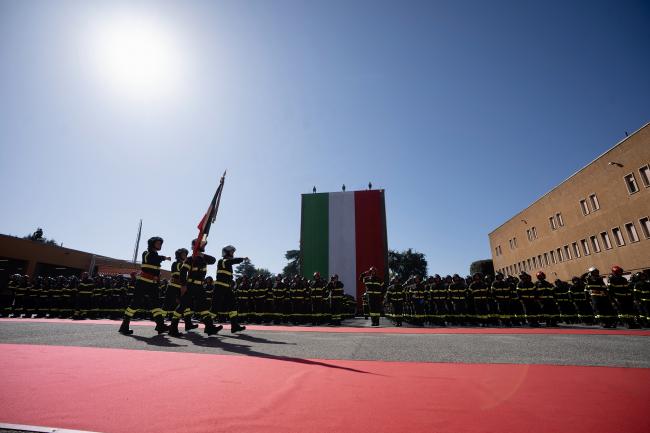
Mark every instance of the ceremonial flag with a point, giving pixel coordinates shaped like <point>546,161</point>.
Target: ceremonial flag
<point>209,217</point>
<point>344,233</point>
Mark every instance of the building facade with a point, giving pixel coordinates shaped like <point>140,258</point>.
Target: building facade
<point>597,217</point>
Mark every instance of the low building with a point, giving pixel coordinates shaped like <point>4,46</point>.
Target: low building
<point>597,217</point>
<point>34,258</point>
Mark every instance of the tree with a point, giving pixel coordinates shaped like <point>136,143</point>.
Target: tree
<point>486,267</point>
<point>246,269</point>
<point>406,263</point>
<point>37,236</point>
<point>293,267</point>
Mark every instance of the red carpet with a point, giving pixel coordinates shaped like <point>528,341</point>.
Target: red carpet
<point>380,330</point>
<point>116,390</point>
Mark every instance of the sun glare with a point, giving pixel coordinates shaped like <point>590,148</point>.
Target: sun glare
<point>137,58</point>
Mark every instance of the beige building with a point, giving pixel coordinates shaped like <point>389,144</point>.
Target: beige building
<point>597,217</point>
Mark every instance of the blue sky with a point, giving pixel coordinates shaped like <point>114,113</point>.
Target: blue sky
<point>464,112</point>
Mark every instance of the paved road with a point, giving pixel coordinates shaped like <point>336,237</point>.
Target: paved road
<point>585,350</point>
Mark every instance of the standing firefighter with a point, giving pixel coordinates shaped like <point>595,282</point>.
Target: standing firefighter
<point>224,298</point>
<point>145,295</point>
<point>600,299</point>
<point>335,290</point>
<point>395,298</point>
<point>502,293</point>
<point>621,290</point>
<point>375,294</point>
<point>192,291</point>
<point>527,293</point>
<point>546,294</point>
<point>317,291</point>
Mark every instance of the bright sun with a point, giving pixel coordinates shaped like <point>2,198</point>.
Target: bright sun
<point>137,58</point>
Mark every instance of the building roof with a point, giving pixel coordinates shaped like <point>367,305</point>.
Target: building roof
<point>570,177</point>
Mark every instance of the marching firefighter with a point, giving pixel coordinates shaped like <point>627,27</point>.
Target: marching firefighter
<point>375,294</point>
<point>546,295</point>
<point>335,293</point>
<point>620,290</point>
<point>145,295</point>
<point>173,293</point>
<point>395,298</point>
<point>600,299</point>
<point>192,291</point>
<point>224,302</point>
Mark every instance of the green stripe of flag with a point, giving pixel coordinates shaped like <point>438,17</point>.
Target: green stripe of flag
<point>314,237</point>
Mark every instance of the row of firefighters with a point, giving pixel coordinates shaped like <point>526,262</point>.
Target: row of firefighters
<point>477,300</point>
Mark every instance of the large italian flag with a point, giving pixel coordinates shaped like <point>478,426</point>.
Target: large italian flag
<point>344,233</point>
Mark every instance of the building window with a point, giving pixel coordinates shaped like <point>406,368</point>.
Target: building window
<point>595,244</point>
<point>605,237</point>
<point>630,181</point>
<point>618,236</point>
<point>584,207</point>
<point>546,259</point>
<point>631,232</point>
<point>534,230</point>
<point>576,250</point>
<point>529,234</point>
<point>560,221</point>
<point>567,252</point>
<point>585,247</point>
<point>539,260</point>
<point>534,262</point>
<point>553,259</point>
<point>551,220</point>
<point>595,205</point>
<point>529,267</point>
<point>514,241</point>
<point>560,256</point>
<point>644,172</point>
<point>645,227</point>
<point>510,240</point>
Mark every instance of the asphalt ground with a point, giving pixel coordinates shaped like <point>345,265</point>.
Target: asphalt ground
<point>552,349</point>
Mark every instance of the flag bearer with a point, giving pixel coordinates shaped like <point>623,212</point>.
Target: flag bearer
<point>224,298</point>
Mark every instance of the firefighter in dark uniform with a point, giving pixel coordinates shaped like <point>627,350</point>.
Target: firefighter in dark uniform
<point>395,298</point>
<point>82,299</point>
<point>419,301</point>
<point>317,294</point>
<point>502,293</point>
<point>18,307</point>
<point>480,295</point>
<point>7,295</point>
<point>374,289</point>
<point>173,294</point>
<point>224,302</point>
<point>145,295</point>
<point>641,281</point>
<point>568,312</point>
<point>243,297</point>
<point>622,292</point>
<point>527,293</point>
<point>438,296</point>
<point>546,296</point>
<point>279,300</point>
<point>457,297</point>
<point>300,303</point>
<point>192,276</point>
<point>580,299</point>
<point>600,299</point>
<point>335,293</point>
<point>208,289</point>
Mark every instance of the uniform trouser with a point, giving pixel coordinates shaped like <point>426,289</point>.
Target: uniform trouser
<point>19,303</point>
<point>281,307</point>
<point>532,310</point>
<point>6,299</point>
<point>82,304</point>
<point>261,310</point>
<point>224,304</point>
<point>398,312</point>
<point>419,311</point>
<point>503,308</point>
<point>300,310</point>
<point>643,307</point>
<point>32,303</point>
<point>374,308</point>
<point>481,310</point>
<point>145,297</point>
<point>319,310</point>
<point>550,312</point>
<point>194,297</point>
<point>242,307</point>
<point>439,311</point>
<point>568,312</point>
<point>458,311</point>
<point>172,299</point>
<point>336,308</point>
<point>604,310</point>
<point>625,307</point>
<point>585,311</point>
